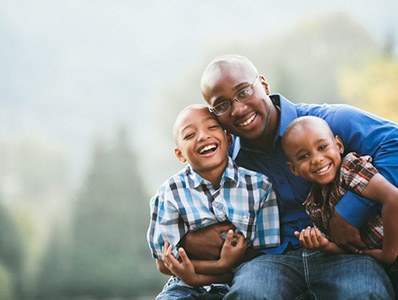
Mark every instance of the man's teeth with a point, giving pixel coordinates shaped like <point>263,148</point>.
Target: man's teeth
<point>207,148</point>
<point>248,121</point>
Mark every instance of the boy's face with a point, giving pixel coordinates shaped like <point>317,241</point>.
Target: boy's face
<point>314,153</point>
<point>201,141</point>
<point>249,119</point>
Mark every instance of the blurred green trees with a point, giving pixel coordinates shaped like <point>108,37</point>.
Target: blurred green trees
<point>107,254</point>
<point>12,257</point>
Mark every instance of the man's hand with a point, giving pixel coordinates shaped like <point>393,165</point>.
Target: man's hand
<point>344,234</point>
<point>206,243</point>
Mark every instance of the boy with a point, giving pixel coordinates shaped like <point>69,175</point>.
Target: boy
<point>211,189</point>
<point>314,153</point>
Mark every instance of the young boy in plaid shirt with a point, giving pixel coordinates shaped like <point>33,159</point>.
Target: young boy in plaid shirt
<point>210,189</point>
<point>316,154</point>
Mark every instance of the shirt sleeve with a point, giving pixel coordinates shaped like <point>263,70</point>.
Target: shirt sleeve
<point>365,134</point>
<point>356,172</point>
<point>268,227</point>
<point>166,224</point>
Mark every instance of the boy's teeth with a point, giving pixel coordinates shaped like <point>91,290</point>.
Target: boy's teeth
<point>209,147</point>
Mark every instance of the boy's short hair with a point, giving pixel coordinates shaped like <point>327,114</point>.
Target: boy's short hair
<point>177,122</point>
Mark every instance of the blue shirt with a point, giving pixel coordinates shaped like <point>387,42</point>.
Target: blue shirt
<point>360,132</point>
<point>187,202</point>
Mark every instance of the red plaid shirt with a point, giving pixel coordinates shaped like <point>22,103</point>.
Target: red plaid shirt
<point>355,174</point>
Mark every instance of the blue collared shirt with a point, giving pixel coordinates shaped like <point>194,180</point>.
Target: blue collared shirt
<point>360,132</point>
<point>187,202</point>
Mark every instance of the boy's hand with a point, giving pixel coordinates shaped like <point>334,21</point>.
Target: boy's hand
<point>206,243</point>
<point>233,250</point>
<point>312,238</point>
<point>183,268</point>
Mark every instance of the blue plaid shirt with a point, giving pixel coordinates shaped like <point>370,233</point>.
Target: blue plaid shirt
<point>187,202</point>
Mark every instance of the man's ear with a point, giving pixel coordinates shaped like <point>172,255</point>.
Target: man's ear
<point>292,168</point>
<point>180,156</point>
<point>339,144</point>
<point>265,84</point>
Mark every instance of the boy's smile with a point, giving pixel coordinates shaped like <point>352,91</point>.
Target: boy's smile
<point>201,141</point>
<point>313,152</point>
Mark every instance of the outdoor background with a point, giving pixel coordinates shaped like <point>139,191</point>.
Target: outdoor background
<point>88,94</point>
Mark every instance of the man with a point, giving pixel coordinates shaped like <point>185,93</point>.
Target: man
<point>241,100</point>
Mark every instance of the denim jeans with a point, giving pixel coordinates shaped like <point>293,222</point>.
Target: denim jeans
<point>175,288</point>
<point>307,274</point>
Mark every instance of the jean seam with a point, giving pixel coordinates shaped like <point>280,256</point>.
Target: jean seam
<point>307,273</point>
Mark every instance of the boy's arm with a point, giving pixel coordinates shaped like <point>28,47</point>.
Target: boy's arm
<point>381,190</point>
<point>365,134</point>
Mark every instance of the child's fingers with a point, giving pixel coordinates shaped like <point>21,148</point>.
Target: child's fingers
<point>229,238</point>
<point>297,234</point>
<point>314,238</point>
<point>183,256</point>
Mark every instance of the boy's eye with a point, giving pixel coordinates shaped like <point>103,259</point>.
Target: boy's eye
<point>215,126</point>
<point>303,156</point>
<point>323,147</point>
<point>188,136</point>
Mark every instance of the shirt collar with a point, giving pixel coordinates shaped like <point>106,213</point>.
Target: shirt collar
<point>231,173</point>
<point>287,114</point>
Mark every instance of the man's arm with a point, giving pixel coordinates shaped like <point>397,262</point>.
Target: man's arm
<point>201,272</point>
<point>206,243</point>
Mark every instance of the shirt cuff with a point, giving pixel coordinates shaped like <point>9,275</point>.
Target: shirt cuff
<point>356,209</point>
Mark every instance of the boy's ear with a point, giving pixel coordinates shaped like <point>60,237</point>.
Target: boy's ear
<point>229,138</point>
<point>179,155</point>
<point>339,144</point>
<point>292,168</point>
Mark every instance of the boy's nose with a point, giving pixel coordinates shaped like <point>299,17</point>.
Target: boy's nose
<point>202,135</point>
<point>317,158</point>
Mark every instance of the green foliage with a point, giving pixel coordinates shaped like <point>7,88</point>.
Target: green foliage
<point>7,284</point>
<point>11,252</point>
<point>108,254</point>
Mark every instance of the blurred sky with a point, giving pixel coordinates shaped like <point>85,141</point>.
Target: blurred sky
<point>74,69</point>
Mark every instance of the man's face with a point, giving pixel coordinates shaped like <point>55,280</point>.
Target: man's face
<point>201,141</point>
<point>248,119</point>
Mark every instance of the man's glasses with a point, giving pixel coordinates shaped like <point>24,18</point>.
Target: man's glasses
<point>241,96</point>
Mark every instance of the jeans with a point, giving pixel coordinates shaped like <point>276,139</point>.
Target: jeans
<point>175,288</point>
<point>308,274</point>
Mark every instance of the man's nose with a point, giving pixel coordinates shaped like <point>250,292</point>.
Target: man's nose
<point>237,107</point>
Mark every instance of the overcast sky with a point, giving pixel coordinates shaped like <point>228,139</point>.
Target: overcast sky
<point>71,69</point>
